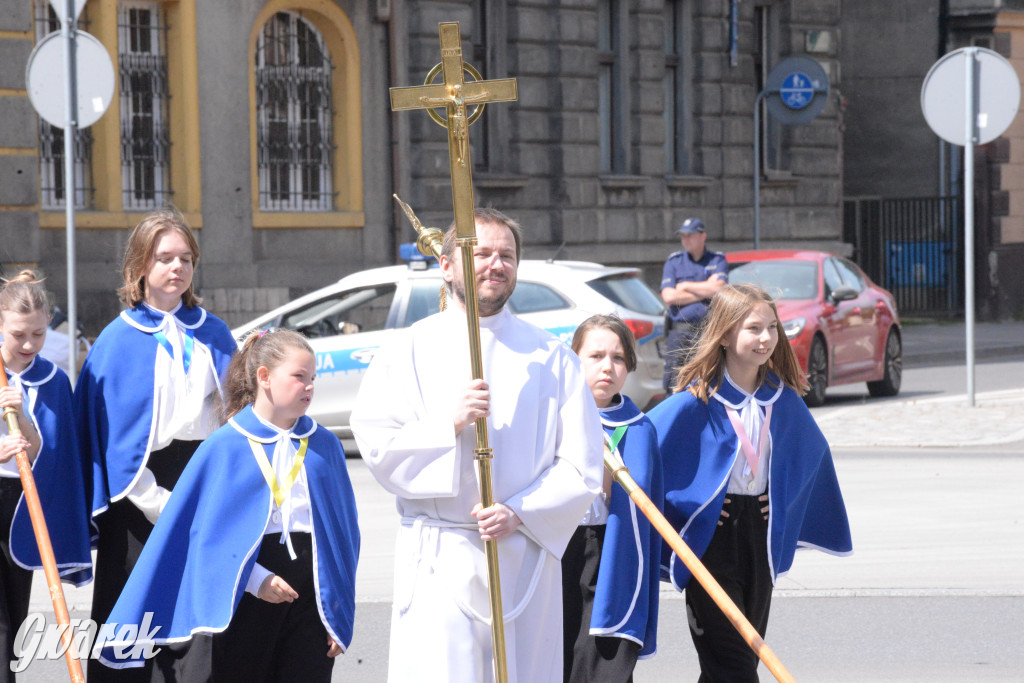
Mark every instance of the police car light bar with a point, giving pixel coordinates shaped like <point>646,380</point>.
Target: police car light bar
<point>411,255</point>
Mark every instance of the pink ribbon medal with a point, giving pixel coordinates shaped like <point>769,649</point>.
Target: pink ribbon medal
<point>752,456</point>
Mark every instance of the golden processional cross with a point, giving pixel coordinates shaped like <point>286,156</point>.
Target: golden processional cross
<point>455,95</point>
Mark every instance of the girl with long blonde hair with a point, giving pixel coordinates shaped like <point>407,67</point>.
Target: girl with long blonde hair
<point>749,476</point>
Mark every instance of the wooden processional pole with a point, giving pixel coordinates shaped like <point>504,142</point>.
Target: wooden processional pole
<point>35,512</point>
<point>620,473</point>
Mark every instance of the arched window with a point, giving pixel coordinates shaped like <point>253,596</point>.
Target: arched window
<point>293,116</point>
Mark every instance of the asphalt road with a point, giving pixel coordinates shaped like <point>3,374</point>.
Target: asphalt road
<point>825,640</point>
<point>934,381</point>
<point>934,591</point>
<point>925,639</point>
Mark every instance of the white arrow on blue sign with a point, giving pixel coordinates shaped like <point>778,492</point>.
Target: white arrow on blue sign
<point>796,91</point>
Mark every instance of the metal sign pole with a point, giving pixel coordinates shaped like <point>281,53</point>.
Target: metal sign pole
<point>70,126</point>
<point>794,93</point>
<point>970,135</point>
<point>757,169</point>
<point>990,87</point>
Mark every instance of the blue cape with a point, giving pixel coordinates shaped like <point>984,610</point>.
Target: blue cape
<point>626,597</point>
<point>58,480</point>
<point>114,395</point>
<point>698,448</point>
<point>194,568</point>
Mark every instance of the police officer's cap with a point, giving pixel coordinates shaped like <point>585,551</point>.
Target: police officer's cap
<point>691,226</point>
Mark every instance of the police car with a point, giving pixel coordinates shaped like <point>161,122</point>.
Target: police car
<point>348,321</point>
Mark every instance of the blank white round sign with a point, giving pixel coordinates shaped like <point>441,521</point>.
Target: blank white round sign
<point>44,79</point>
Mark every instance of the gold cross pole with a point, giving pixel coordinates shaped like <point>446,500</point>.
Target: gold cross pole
<point>454,95</point>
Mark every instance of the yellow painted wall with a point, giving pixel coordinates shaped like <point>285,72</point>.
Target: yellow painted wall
<point>1012,172</point>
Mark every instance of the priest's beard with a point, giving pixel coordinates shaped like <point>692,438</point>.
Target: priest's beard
<point>490,302</point>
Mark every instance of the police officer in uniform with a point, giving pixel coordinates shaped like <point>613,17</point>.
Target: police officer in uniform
<point>691,277</point>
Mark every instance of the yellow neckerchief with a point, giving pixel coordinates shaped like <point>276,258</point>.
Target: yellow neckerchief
<point>280,493</point>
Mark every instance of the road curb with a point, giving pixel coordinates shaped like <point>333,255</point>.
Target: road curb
<point>942,422</point>
<point>948,356</point>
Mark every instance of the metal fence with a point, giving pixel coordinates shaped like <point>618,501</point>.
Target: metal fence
<point>912,247</point>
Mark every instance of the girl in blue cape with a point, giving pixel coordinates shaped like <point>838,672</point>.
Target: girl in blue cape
<point>259,541</point>
<point>148,394</point>
<point>749,476</point>
<point>41,393</point>
<point>610,567</point>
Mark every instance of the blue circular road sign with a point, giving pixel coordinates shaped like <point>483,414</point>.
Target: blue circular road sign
<point>796,91</point>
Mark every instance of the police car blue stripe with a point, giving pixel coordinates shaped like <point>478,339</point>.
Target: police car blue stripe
<point>356,360</point>
<point>345,360</point>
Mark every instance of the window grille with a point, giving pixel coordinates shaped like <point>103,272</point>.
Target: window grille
<point>145,142</point>
<point>293,116</point>
<point>51,139</point>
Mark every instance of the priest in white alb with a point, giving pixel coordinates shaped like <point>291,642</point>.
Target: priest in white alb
<point>413,423</point>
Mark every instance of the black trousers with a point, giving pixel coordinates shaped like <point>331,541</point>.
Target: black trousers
<point>738,559</point>
<point>587,658</point>
<point>15,581</point>
<point>123,531</point>
<point>276,643</point>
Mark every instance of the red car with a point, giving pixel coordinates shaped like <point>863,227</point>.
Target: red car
<point>843,326</point>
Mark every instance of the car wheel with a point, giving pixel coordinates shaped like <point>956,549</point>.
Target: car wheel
<point>817,373</point>
<point>892,366</point>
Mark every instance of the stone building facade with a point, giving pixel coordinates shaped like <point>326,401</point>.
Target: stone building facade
<point>267,124</point>
<point>889,150</point>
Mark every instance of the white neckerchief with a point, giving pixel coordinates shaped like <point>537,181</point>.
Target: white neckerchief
<point>172,328</point>
<point>743,481</point>
<point>293,514</point>
<point>184,405</point>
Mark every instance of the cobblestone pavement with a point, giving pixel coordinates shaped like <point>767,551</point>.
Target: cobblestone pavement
<point>996,418</point>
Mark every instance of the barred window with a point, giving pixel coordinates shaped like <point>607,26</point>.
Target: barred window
<point>293,116</point>
<point>52,187</point>
<point>145,142</point>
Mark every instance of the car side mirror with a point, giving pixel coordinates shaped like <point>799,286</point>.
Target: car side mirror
<point>843,293</point>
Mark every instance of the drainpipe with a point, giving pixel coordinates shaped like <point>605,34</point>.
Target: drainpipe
<point>401,179</point>
<point>943,146</point>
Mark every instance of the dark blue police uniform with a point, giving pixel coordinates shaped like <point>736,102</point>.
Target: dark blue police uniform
<point>684,320</point>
